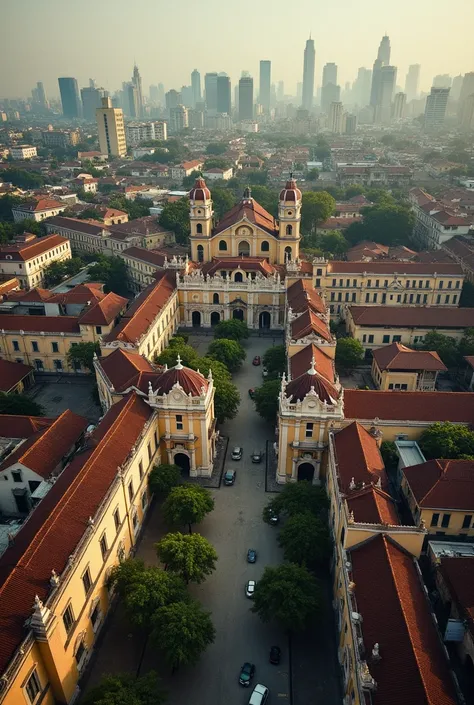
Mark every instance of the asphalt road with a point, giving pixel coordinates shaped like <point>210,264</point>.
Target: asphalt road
<point>234,526</point>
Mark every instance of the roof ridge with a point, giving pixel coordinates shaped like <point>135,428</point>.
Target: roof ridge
<point>47,430</point>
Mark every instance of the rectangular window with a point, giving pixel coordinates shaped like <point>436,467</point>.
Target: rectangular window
<point>455,298</point>
<point>58,365</point>
<point>450,284</point>
<point>16,346</point>
<point>34,346</point>
<point>427,284</point>
<point>386,339</point>
<point>353,296</point>
<point>446,299</point>
<point>140,469</point>
<point>333,296</point>
<point>319,272</point>
<point>309,430</point>
<point>377,282</point>
<point>95,616</point>
<point>103,546</point>
<point>375,298</point>
<point>367,298</point>
<point>155,437</point>
<point>441,284</point>
<point>179,422</point>
<point>457,284</point>
<point>434,519</point>
<point>68,619</point>
<point>396,339</point>
<point>98,330</point>
<point>334,282</point>
<point>17,476</point>
<point>438,299</point>
<point>317,283</point>
<point>86,581</point>
<point>411,298</point>
<point>369,282</point>
<point>354,282</point>
<point>408,283</point>
<point>364,338</point>
<point>385,283</point>
<point>117,519</point>
<point>54,347</point>
<point>347,296</point>
<point>130,490</point>
<point>445,520</point>
<point>80,653</point>
<point>371,338</point>
<point>467,521</point>
<point>33,687</point>
<point>420,284</point>
<point>144,500</point>
<point>150,454</point>
<point>418,298</point>
<point>341,282</point>
<point>399,298</point>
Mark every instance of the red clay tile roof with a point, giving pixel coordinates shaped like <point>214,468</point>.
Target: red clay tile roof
<point>80,294</point>
<point>458,574</point>
<point>447,484</point>
<point>398,357</point>
<point>312,381</point>
<point>412,316</point>
<point>358,458</point>
<point>412,669</point>
<point>25,252</point>
<point>90,227</point>
<point>8,286</point>
<point>143,255</point>
<point>291,192</point>
<point>199,191</point>
<point>144,310</point>
<point>36,324</point>
<point>410,269</point>
<point>13,426</point>
<point>300,362</point>
<point>44,450</point>
<point>102,313</point>
<point>124,369</point>
<point>372,505</point>
<point>11,373</point>
<point>58,523</point>
<point>302,295</point>
<point>33,295</point>
<point>409,406</point>
<point>254,213</point>
<point>43,204</point>
<point>246,264</point>
<point>147,225</point>
<point>190,380</point>
<point>309,323</point>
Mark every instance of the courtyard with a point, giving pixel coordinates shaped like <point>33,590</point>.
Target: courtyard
<point>56,393</point>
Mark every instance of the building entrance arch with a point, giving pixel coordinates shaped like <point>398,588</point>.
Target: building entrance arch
<point>306,472</point>
<point>238,314</point>
<point>182,461</point>
<point>264,320</point>
<point>196,319</point>
<point>215,318</point>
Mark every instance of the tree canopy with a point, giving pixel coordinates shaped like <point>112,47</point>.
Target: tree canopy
<point>232,329</point>
<point>188,181</point>
<point>57,271</point>
<point>82,354</point>
<point>445,346</point>
<point>190,556</point>
<point>447,440</point>
<point>126,689</point>
<point>136,208</point>
<point>229,352</point>
<point>267,197</point>
<point>175,217</point>
<point>384,223</point>
<point>266,400</point>
<point>332,244</point>
<point>298,497</point>
<point>349,353</point>
<point>289,594</point>
<point>223,200</point>
<point>216,148</point>
<point>22,178</point>
<point>226,395</point>
<point>317,207</point>
<point>305,540</point>
<point>163,478</point>
<point>274,360</point>
<point>177,346</point>
<point>112,271</point>
<point>187,504</point>
<point>19,405</point>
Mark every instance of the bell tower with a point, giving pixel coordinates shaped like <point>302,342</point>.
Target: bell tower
<point>200,216</point>
<point>289,216</point>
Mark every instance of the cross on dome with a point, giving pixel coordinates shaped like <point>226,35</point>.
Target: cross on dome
<point>312,370</point>
<point>179,366</point>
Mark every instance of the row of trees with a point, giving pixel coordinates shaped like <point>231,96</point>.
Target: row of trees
<point>266,396</point>
<point>450,350</point>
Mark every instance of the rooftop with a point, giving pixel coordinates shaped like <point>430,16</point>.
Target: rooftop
<point>11,373</point>
<point>412,316</point>
<point>428,407</point>
<point>447,484</point>
<point>398,357</point>
<point>358,458</point>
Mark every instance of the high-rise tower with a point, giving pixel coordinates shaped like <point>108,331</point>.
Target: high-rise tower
<point>70,99</point>
<point>223,94</point>
<point>210,85</point>
<point>412,81</point>
<point>246,98</point>
<point>137,82</point>
<point>435,108</point>
<point>111,129</point>
<point>265,83</point>
<point>196,86</point>
<point>308,75</point>
<point>384,51</point>
<point>383,59</point>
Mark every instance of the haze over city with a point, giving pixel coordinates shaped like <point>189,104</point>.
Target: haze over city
<point>104,39</point>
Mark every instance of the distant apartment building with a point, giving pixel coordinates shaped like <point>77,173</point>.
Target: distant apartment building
<point>29,256</point>
<point>435,109</point>
<point>374,175</point>
<point>111,129</point>
<point>186,169</point>
<point>137,132</point>
<point>217,174</point>
<point>60,138</point>
<point>23,151</point>
<point>179,118</point>
<point>335,117</point>
<point>37,210</point>
<point>435,222</point>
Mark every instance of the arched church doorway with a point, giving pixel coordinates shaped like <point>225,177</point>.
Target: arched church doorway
<point>215,318</point>
<point>305,472</point>
<point>238,314</point>
<point>244,249</point>
<point>196,318</point>
<point>264,320</point>
<point>182,461</point>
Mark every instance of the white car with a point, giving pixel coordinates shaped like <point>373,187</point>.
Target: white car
<point>236,453</point>
<point>260,695</point>
<point>250,589</point>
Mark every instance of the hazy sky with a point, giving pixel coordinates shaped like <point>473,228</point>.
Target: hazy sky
<point>44,39</point>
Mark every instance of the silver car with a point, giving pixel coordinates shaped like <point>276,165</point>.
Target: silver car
<point>250,589</point>
<point>236,453</point>
<point>260,695</point>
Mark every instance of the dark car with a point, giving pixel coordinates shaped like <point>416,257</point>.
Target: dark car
<point>252,393</point>
<point>247,672</point>
<point>251,555</point>
<point>273,518</point>
<point>275,655</point>
<point>257,456</point>
<point>256,361</point>
<point>229,477</point>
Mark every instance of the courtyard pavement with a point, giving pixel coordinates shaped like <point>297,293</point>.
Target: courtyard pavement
<point>56,393</point>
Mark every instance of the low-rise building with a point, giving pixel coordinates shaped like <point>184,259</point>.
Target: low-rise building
<point>142,265</point>
<point>60,138</point>
<point>217,174</point>
<point>29,256</point>
<point>23,151</point>
<point>398,367</point>
<point>86,182</point>
<point>374,175</point>
<point>367,251</point>
<point>37,210</point>
<point>186,169</point>
<point>436,222</point>
<point>15,377</point>
<point>375,326</point>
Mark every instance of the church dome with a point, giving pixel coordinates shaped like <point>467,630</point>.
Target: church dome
<point>199,191</point>
<point>190,380</point>
<point>291,192</point>
<point>312,381</point>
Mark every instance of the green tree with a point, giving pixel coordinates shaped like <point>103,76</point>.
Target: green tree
<point>145,589</point>
<point>445,346</point>
<point>6,204</point>
<point>388,451</point>
<point>216,148</point>
<point>353,190</point>
<point>82,354</point>
<point>175,217</point>
<point>267,197</point>
<point>305,540</point>
<point>187,504</point>
<point>313,174</point>
<point>384,223</point>
<point>229,352</point>
<point>447,440</point>
<point>349,353</point>
<point>275,361</point>
<point>298,497</point>
<point>89,213</point>
<point>163,478</point>
<point>19,404</point>
<point>289,594</point>
<point>188,181</point>
<point>232,330</point>
<point>57,271</point>
<point>169,356</point>
<point>22,178</point>
<point>317,207</point>
<point>257,177</point>
<point>226,395</point>
<point>216,163</point>
<point>466,344</point>
<point>223,200</point>
<point>86,196</point>
<point>126,689</point>
<point>190,556</point>
<point>266,400</point>
<point>138,208</point>
<point>112,271</point>
<point>332,244</point>
<point>182,631</point>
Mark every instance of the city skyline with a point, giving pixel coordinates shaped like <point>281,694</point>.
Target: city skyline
<point>409,46</point>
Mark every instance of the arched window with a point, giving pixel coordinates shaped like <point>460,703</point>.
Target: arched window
<point>200,251</point>
<point>238,277</point>
<point>287,253</point>
<point>215,298</point>
<point>222,245</point>
<point>244,249</point>
<point>289,230</point>
<point>265,246</point>
<point>199,228</point>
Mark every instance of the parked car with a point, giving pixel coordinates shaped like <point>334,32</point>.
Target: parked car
<point>274,518</point>
<point>264,372</point>
<point>251,555</point>
<point>229,477</point>
<point>236,453</point>
<point>257,456</point>
<point>275,655</point>
<point>252,393</point>
<point>260,695</point>
<point>250,588</point>
<point>256,361</point>
<point>247,672</point>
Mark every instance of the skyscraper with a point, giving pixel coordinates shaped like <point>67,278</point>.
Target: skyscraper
<point>281,91</point>
<point>70,99</point>
<point>442,80</point>
<point>329,74</point>
<point>133,100</point>
<point>172,99</point>
<point>154,95</point>
<point>210,86</point>
<point>435,108</point>
<point>388,77</point>
<point>91,100</point>
<point>308,75</point>
<point>361,87</point>
<point>467,89</point>
<point>399,105</point>
<point>137,82</point>
<point>330,93</point>
<point>412,81</point>
<point>384,50</point>
<point>246,98</point>
<point>179,118</point>
<point>383,59</point>
<point>111,129</point>
<point>335,117</point>
<point>196,86</point>
<point>42,95</point>
<point>223,94</point>
<point>187,96</point>
<point>265,82</point>
<point>456,87</point>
